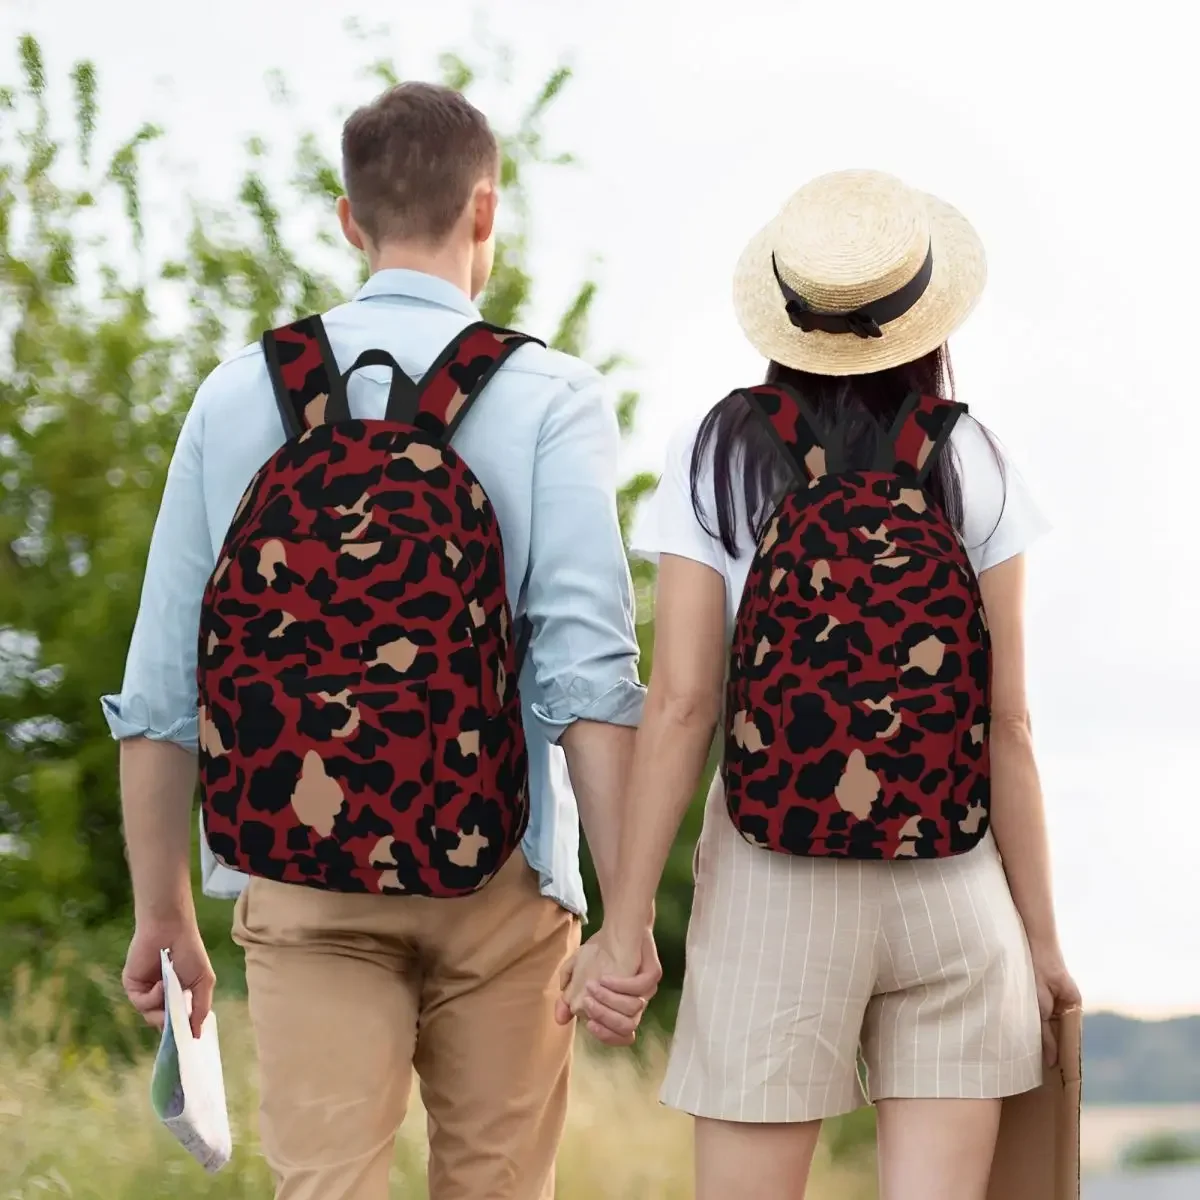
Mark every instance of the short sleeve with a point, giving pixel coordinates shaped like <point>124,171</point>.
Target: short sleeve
<point>1000,517</point>
<point>666,522</point>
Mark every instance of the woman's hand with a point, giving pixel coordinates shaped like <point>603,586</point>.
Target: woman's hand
<point>609,987</point>
<point>1056,992</point>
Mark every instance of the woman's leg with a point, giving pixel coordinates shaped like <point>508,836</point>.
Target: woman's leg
<point>954,1027</point>
<point>936,1149</point>
<point>753,1161</point>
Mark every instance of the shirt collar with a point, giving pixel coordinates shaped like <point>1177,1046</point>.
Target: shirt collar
<point>416,285</point>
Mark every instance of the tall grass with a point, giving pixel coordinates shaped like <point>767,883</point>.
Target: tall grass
<point>76,1123</point>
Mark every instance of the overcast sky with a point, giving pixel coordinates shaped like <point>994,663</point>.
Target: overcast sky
<point>1067,137</point>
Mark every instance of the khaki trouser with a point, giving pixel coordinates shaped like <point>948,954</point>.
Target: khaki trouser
<point>348,993</point>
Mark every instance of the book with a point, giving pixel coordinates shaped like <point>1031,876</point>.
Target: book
<point>187,1087</point>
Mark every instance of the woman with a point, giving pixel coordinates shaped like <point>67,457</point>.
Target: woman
<point>887,911</point>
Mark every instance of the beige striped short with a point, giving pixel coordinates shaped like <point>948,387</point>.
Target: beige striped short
<point>799,970</point>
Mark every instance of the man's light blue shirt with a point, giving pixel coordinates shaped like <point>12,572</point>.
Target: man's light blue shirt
<point>543,441</point>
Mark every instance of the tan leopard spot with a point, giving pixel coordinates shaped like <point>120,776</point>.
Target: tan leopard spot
<point>761,651</point>
<point>912,499</point>
<point>885,705</point>
<point>859,786</point>
<point>911,830</point>
<point>453,553</point>
<point>389,881</point>
<point>241,508</point>
<point>314,410</point>
<point>468,742</point>
<point>210,736</point>
<point>926,447</point>
<point>974,818</point>
<point>381,853</point>
<point>360,508</point>
<point>271,557</point>
<point>362,550</point>
<point>318,798</point>
<point>423,456</point>
<point>977,734</point>
<point>814,460</point>
<point>821,575</point>
<point>213,643</point>
<point>478,616</point>
<point>777,577</point>
<point>353,716</point>
<point>928,655</point>
<point>455,404</point>
<point>747,734</point>
<point>831,623</point>
<point>399,655</point>
<point>879,535</point>
<point>477,497</point>
<point>279,630</point>
<point>504,624</point>
<point>771,536</point>
<point>906,850</point>
<point>466,853</point>
<point>222,567</point>
<point>894,561</point>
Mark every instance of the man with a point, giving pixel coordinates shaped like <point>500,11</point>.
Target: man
<point>348,992</point>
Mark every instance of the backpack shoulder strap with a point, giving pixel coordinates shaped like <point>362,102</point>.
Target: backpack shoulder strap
<point>452,385</point>
<point>922,427</point>
<point>796,429</point>
<point>304,374</point>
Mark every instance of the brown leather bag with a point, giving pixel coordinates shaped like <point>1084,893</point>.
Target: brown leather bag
<point>1037,1152</point>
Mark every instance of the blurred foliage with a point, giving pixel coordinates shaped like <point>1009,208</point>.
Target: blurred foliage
<point>94,381</point>
<point>73,1122</point>
<point>1160,1150</point>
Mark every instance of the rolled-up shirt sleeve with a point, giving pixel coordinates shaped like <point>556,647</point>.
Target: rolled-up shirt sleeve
<point>158,697</point>
<point>579,596</point>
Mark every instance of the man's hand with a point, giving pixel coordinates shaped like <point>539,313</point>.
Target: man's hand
<point>142,977</point>
<point>609,989</point>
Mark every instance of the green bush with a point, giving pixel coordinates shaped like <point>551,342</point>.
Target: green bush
<point>1161,1149</point>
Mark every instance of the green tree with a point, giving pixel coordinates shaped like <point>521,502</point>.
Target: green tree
<point>93,386</point>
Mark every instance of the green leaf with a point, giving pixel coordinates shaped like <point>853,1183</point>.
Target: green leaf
<point>84,79</point>
<point>383,70</point>
<point>571,334</point>
<point>33,65</point>
<point>455,72</point>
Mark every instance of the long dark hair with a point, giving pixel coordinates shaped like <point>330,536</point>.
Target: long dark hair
<point>863,406</point>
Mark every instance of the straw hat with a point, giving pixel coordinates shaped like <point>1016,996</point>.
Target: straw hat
<point>858,273</point>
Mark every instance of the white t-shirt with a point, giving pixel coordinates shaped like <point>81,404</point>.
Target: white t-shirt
<point>1000,518</point>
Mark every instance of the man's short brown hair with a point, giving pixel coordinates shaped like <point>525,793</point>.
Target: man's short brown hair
<point>410,159</point>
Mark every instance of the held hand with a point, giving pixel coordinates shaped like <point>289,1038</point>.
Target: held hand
<point>609,989</point>
<point>1057,993</point>
<point>142,977</point>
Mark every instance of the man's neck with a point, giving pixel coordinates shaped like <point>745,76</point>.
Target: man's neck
<point>446,262</point>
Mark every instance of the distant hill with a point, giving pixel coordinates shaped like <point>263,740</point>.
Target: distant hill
<point>1127,1061</point>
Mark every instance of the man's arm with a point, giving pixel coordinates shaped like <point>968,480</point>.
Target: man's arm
<point>579,597</point>
<point>155,719</point>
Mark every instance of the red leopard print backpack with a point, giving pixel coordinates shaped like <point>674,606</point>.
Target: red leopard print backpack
<point>360,728</point>
<point>857,708</point>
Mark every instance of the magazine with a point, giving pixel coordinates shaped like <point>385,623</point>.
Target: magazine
<point>187,1089</point>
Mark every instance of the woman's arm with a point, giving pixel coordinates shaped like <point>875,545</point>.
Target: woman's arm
<point>1018,814</point>
<point>682,706</point>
